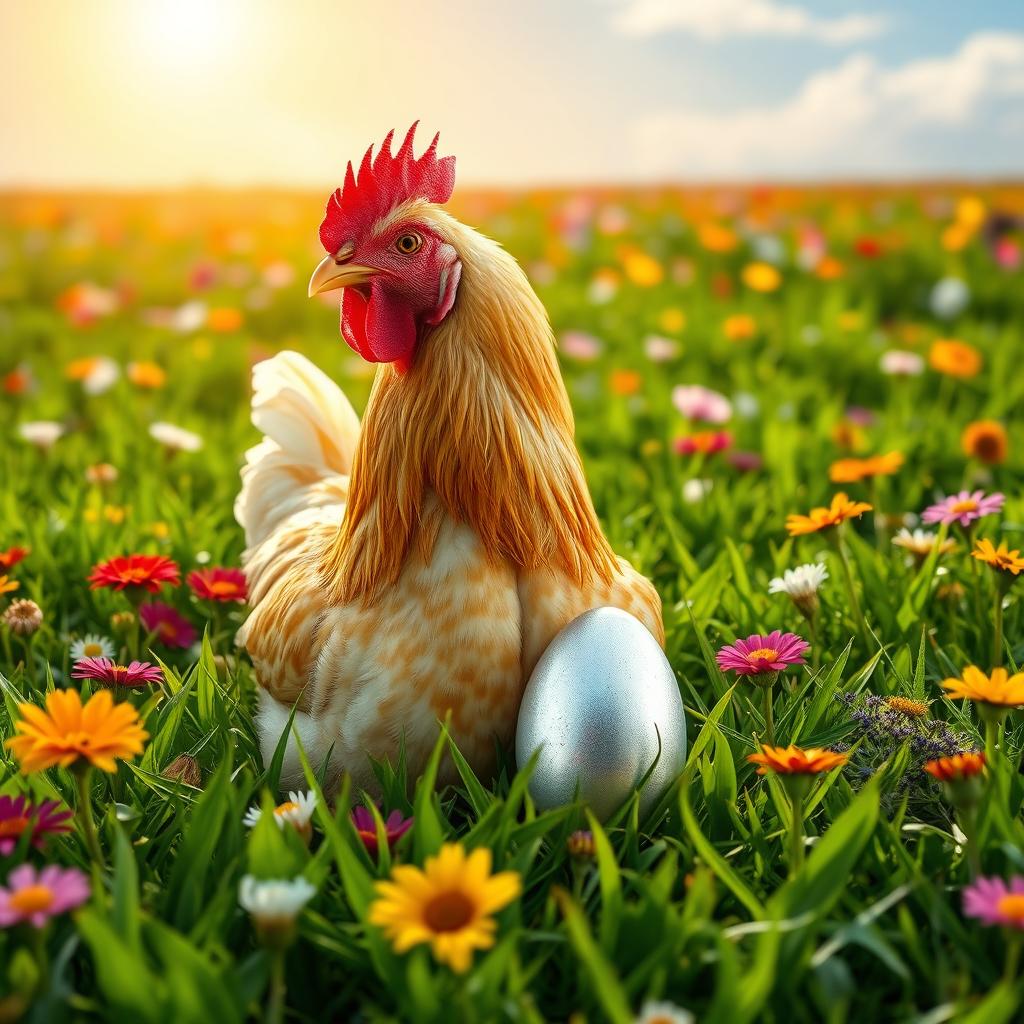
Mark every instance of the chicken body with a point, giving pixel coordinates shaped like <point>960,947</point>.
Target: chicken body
<point>420,563</point>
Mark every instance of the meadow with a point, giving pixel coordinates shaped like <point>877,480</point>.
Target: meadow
<point>736,358</point>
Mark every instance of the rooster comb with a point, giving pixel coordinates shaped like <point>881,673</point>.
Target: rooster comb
<point>382,183</point>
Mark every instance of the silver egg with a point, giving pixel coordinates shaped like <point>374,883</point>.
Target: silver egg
<point>595,705</point>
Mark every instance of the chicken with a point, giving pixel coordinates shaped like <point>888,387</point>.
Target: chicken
<point>419,563</point>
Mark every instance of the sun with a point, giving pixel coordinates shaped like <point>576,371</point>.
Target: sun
<point>183,34</point>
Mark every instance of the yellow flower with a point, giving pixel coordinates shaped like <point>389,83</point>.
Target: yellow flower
<point>817,519</point>
<point>850,320</point>
<point>956,237</point>
<point>954,358</point>
<point>1001,558</point>
<point>761,277</point>
<point>795,760</point>
<point>986,441</point>
<point>970,213</point>
<point>999,689</point>
<point>672,320</point>
<point>7,585</point>
<point>847,471</point>
<point>101,732</point>
<point>146,375</point>
<point>448,903</point>
<point>740,327</point>
<point>908,707</point>
<point>640,268</point>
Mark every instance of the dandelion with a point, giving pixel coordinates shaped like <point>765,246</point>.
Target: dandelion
<point>219,584</point>
<point>986,441</point>
<point>921,543</point>
<point>963,508</point>
<point>847,471</point>
<point>34,897</point>
<point>823,518</point>
<point>449,903</point>
<point>900,363</point>
<point>11,557</point>
<point>954,358</point>
<point>395,826</point>
<point>23,617</point>
<point>92,645</point>
<point>296,811</point>
<point>175,439</point>
<point>106,671</point>
<point>44,434</point>
<point>19,817</point>
<point>135,573</point>
<point>700,403</point>
<point>167,625</point>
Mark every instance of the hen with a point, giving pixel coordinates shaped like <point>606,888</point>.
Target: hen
<point>418,563</point>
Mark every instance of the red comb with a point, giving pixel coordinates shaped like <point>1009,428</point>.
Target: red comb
<point>382,184</point>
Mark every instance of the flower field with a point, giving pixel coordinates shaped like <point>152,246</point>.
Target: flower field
<point>798,411</point>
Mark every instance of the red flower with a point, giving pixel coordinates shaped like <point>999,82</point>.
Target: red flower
<point>105,671</point>
<point>148,572</point>
<point>11,557</point>
<point>167,624</point>
<point>219,584</point>
<point>868,247</point>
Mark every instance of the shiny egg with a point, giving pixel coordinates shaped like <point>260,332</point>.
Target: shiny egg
<point>600,697</point>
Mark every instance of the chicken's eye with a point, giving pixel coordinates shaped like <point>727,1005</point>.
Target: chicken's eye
<point>408,243</point>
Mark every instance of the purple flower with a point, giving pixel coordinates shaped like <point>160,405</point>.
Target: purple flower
<point>18,816</point>
<point>34,897</point>
<point>963,508</point>
<point>395,826</point>
<point>992,901</point>
<point>760,654</point>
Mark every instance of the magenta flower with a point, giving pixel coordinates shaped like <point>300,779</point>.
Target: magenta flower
<point>109,673</point>
<point>992,901</point>
<point>758,655</point>
<point>167,624</point>
<point>700,403</point>
<point>963,508</point>
<point>18,816</point>
<point>395,826</point>
<point>34,897</point>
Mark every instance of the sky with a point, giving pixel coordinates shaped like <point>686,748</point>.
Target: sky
<point>141,93</point>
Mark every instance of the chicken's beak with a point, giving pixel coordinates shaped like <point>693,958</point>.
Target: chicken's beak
<point>336,272</point>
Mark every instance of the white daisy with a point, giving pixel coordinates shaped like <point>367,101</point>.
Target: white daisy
<point>274,902</point>
<point>297,810</point>
<point>92,645</point>
<point>663,1013</point>
<point>801,584</point>
<point>176,438</point>
<point>102,376</point>
<point>920,543</point>
<point>44,434</point>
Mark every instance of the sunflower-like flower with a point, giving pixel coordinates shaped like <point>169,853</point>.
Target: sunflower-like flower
<point>1000,558</point>
<point>986,441</point>
<point>448,903</point>
<point>823,518</point>
<point>1000,690</point>
<point>67,734</point>
<point>793,760</point>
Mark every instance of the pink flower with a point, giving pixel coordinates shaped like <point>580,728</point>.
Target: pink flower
<point>759,654</point>
<point>963,508</point>
<point>34,897</point>
<point>18,816</point>
<point>395,826</point>
<point>992,901</point>
<point>109,673</point>
<point>700,403</point>
<point>745,462</point>
<point>578,345</point>
<point>167,624</point>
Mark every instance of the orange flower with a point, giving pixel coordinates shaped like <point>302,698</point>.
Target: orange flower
<point>795,760</point>
<point>17,382</point>
<point>761,277</point>
<point>740,327</point>
<point>907,706</point>
<point>7,585</point>
<point>848,471</point>
<point>224,319</point>
<point>829,269</point>
<point>1001,558</point>
<point>79,369</point>
<point>985,440</point>
<point>957,767</point>
<point>66,733</point>
<point>716,238</point>
<point>838,512</point>
<point>954,358</point>
<point>624,382</point>
<point>147,375</point>
<point>999,689</point>
<point>848,435</point>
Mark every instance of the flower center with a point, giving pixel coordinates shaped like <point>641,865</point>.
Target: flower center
<point>288,805</point>
<point>1011,905</point>
<point>13,827</point>
<point>92,651</point>
<point>136,575</point>
<point>31,900</point>
<point>223,588</point>
<point>167,631</point>
<point>968,505</point>
<point>119,673</point>
<point>449,911</point>
<point>763,654</point>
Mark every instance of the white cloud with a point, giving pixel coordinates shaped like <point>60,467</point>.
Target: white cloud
<point>856,118</point>
<point>718,19</point>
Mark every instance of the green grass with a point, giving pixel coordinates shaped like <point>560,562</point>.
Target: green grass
<point>693,904</point>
